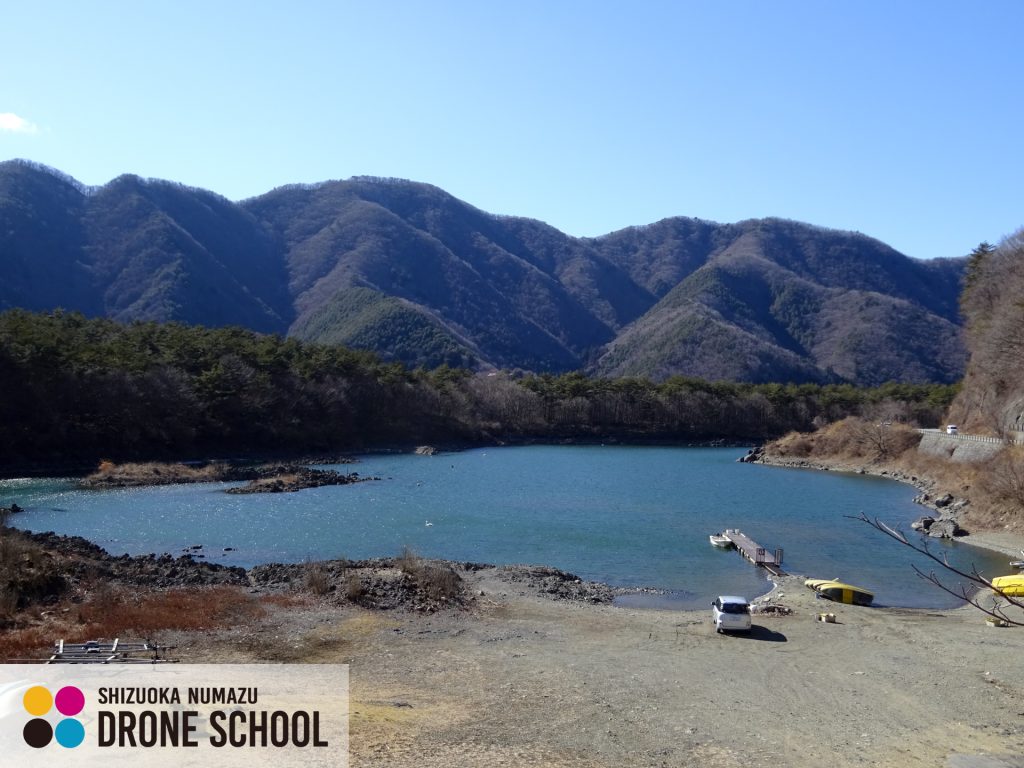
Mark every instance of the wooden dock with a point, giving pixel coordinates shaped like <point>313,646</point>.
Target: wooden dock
<point>755,553</point>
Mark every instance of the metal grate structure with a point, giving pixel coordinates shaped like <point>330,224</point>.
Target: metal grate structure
<point>116,652</point>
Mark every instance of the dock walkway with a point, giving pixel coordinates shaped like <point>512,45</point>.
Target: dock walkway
<point>755,553</point>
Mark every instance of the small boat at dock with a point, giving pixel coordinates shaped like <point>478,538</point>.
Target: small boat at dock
<point>721,540</point>
<point>837,591</point>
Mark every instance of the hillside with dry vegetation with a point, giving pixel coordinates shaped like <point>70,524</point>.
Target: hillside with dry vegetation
<point>989,403</point>
<point>992,398</point>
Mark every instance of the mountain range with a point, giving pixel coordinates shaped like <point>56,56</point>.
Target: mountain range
<point>411,272</point>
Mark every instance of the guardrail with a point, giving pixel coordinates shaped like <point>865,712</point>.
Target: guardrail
<point>976,438</point>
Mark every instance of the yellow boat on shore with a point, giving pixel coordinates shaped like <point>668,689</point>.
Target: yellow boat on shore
<point>839,592</point>
<point>1011,586</point>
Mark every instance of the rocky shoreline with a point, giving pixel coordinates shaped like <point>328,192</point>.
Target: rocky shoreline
<point>288,479</point>
<point>262,478</point>
<point>79,561</point>
<point>949,509</point>
<point>407,581</point>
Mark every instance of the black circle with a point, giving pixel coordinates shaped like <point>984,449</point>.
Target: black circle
<point>38,733</point>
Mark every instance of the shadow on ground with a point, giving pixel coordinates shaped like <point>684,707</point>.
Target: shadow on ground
<point>758,632</point>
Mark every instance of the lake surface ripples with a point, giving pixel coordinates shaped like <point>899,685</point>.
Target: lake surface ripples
<point>629,516</point>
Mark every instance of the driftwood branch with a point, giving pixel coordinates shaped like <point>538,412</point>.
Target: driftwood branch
<point>962,592</point>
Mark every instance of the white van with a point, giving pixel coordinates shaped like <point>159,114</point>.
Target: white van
<point>731,614</point>
<point>951,429</point>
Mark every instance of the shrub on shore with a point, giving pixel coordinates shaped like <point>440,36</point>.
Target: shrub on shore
<point>318,581</point>
<point>354,588</point>
<point>998,490</point>
<point>28,573</point>
<point>436,581</point>
<point>850,438</point>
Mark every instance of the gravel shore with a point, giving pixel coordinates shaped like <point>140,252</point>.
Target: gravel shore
<point>529,666</point>
<point>517,678</point>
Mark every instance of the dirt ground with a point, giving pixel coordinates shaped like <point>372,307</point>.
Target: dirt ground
<point>520,679</point>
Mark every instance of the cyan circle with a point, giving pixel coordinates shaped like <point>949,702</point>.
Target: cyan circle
<point>69,732</point>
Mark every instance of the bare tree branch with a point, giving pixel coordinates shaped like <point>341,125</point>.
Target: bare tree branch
<point>962,591</point>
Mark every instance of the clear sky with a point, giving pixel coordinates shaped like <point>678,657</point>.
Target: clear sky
<point>902,120</point>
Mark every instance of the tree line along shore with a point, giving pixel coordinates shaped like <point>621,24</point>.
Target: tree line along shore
<point>78,390</point>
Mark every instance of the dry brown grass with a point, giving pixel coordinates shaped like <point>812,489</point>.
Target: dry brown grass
<point>955,477</point>
<point>995,488</point>
<point>8,603</point>
<point>116,611</point>
<point>317,579</point>
<point>408,561</point>
<point>1003,478</point>
<point>437,582</point>
<point>152,473</point>
<point>27,573</point>
<point>354,588</point>
<point>31,643</point>
<point>852,439</point>
<point>794,445</point>
<point>119,612</point>
<point>278,482</point>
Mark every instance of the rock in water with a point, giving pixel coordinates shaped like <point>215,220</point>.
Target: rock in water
<point>944,529</point>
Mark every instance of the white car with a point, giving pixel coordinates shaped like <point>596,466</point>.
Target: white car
<point>951,429</point>
<point>731,614</point>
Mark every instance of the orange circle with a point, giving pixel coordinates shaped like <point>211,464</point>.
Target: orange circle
<point>38,700</point>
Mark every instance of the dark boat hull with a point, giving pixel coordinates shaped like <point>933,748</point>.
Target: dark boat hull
<point>850,596</point>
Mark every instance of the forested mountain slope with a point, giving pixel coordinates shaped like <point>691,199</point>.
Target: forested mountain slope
<point>408,271</point>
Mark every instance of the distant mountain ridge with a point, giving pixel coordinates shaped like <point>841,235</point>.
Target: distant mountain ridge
<point>419,276</point>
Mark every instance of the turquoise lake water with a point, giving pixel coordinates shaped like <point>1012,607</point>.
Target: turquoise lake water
<point>629,516</point>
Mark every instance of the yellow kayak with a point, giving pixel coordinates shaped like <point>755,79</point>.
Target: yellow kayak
<point>1011,586</point>
<point>840,592</point>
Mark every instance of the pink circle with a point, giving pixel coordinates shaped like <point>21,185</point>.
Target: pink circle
<point>69,700</point>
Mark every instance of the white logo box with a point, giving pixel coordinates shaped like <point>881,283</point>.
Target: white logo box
<point>185,715</point>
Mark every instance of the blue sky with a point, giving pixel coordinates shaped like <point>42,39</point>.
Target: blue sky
<point>901,120</point>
